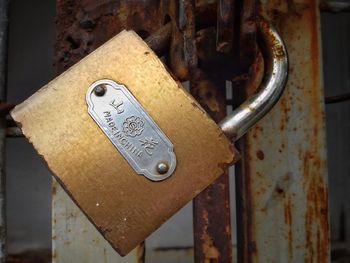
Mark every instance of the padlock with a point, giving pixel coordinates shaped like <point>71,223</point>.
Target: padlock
<point>128,143</point>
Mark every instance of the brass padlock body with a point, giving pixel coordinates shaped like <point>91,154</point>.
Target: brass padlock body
<point>124,206</point>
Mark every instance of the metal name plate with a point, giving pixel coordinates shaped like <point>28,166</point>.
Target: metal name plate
<point>131,129</point>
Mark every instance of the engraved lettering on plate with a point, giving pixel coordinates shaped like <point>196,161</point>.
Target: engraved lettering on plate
<point>131,129</point>
<point>117,105</point>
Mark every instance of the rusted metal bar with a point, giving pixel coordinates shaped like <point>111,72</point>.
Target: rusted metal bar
<point>282,179</point>
<point>188,28</point>
<point>249,69</point>
<point>95,22</point>
<point>247,37</point>
<point>159,41</point>
<point>212,227</point>
<point>177,58</point>
<point>211,208</point>
<point>4,7</point>
<point>243,209</point>
<point>225,19</point>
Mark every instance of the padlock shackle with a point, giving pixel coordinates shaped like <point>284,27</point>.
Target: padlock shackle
<point>271,88</point>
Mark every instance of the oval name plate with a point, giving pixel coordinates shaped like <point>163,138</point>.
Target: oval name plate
<point>131,129</point>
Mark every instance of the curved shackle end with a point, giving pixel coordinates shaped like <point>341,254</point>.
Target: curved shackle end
<point>270,90</point>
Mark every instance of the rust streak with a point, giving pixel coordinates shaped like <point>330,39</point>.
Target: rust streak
<point>289,222</point>
<point>297,21</point>
<point>316,220</point>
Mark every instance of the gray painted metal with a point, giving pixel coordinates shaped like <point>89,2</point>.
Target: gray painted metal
<point>284,171</point>
<point>76,240</point>
<point>4,4</point>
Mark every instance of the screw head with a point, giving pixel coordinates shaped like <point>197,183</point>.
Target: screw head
<point>162,168</point>
<point>100,90</point>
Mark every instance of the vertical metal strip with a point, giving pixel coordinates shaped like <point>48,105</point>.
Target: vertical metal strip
<point>4,7</point>
<point>282,180</point>
<point>225,29</point>
<point>211,208</point>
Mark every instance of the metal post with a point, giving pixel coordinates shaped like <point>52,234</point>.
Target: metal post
<point>211,208</point>
<point>282,177</point>
<point>4,4</point>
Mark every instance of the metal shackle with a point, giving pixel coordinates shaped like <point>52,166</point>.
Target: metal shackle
<point>271,88</point>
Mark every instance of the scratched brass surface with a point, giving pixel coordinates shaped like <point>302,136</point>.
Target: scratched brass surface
<point>124,206</point>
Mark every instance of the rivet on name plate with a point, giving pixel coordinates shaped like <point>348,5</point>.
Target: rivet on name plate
<point>162,168</point>
<point>100,90</point>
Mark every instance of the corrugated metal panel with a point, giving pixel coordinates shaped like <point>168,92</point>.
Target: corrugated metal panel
<point>283,177</point>
<point>75,239</point>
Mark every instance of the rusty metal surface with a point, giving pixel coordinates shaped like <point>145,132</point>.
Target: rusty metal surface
<point>212,228</point>
<point>188,27</point>
<point>225,29</point>
<point>247,37</point>
<point>84,25</point>
<point>211,208</point>
<point>282,180</point>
